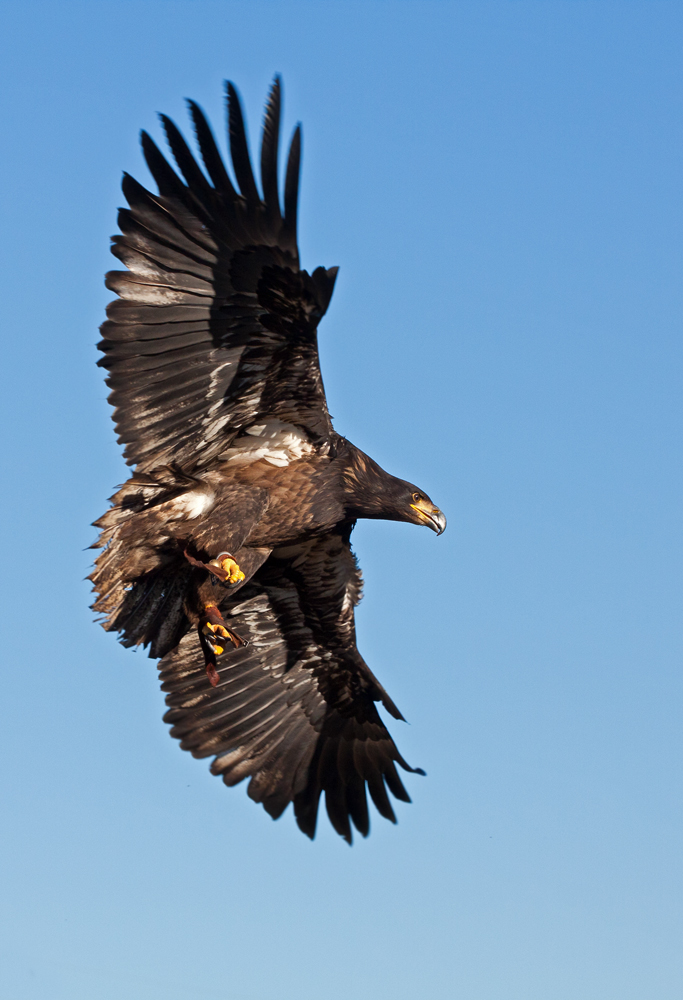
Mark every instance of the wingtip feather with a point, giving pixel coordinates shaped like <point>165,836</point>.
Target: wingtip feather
<point>239,149</point>
<point>270,141</point>
<point>292,175</point>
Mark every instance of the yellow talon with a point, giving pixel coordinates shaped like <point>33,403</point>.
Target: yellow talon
<point>213,633</point>
<point>235,574</point>
<point>215,630</point>
<point>225,562</point>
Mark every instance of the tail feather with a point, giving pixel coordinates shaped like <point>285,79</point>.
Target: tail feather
<point>141,580</point>
<point>152,612</point>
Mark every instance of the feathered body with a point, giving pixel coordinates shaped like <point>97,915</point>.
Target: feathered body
<point>213,361</point>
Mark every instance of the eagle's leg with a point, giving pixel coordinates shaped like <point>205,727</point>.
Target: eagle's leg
<point>213,634</point>
<point>223,567</point>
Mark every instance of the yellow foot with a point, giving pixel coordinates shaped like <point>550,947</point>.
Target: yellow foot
<point>215,629</point>
<point>216,632</point>
<point>212,632</point>
<point>225,562</point>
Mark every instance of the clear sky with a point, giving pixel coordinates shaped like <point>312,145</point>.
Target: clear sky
<point>500,185</point>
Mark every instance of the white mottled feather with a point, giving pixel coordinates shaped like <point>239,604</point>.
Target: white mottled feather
<point>274,441</point>
<point>191,505</point>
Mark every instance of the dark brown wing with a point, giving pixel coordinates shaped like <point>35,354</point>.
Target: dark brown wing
<point>294,711</point>
<point>215,326</point>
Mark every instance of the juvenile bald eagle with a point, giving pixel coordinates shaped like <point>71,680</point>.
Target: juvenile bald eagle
<point>227,551</point>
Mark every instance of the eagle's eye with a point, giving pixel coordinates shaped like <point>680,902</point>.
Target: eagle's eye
<point>417,497</point>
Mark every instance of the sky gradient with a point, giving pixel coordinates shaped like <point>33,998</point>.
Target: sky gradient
<point>500,186</point>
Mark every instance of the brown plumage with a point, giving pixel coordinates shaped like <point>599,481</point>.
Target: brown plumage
<point>227,552</point>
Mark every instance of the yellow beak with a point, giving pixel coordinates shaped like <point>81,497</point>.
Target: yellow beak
<point>430,515</point>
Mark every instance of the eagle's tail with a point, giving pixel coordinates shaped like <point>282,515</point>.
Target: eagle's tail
<point>140,578</point>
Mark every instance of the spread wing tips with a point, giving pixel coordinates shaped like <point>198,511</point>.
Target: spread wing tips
<point>343,766</point>
<point>211,197</point>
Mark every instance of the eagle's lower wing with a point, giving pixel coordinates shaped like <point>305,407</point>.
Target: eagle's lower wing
<point>215,326</point>
<point>295,710</point>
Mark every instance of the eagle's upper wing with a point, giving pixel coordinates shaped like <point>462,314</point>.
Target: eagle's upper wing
<point>215,326</point>
<point>295,710</point>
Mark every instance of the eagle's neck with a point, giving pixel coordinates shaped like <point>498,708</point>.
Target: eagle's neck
<point>368,491</point>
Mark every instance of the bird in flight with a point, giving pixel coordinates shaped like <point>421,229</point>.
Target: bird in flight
<point>227,552</point>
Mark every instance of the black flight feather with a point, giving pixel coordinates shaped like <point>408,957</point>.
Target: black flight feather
<point>239,151</point>
<point>189,168</point>
<point>289,227</point>
<point>168,182</point>
<point>269,151</point>
<point>211,156</point>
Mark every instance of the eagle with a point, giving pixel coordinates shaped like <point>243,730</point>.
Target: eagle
<point>227,553</point>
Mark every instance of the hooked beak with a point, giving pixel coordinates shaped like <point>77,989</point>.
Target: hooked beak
<point>430,515</point>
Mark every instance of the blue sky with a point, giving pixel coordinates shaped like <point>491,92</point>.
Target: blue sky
<point>500,185</point>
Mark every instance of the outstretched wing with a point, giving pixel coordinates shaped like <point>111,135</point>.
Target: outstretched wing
<point>295,710</point>
<point>215,325</point>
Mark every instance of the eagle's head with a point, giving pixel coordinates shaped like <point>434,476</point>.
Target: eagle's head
<point>426,512</point>
<point>373,493</point>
